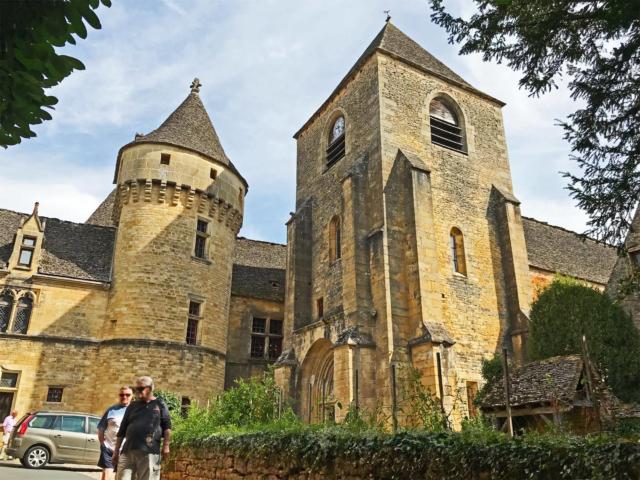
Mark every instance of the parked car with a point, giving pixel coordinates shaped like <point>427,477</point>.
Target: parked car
<point>55,437</point>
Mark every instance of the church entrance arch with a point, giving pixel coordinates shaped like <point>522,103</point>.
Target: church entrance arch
<point>316,382</point>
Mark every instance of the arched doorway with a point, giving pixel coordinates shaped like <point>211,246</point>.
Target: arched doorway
<point>316,384</point>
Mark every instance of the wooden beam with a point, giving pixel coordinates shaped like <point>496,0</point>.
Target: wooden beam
<point>523,412</point>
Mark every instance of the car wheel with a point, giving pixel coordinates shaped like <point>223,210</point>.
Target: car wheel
<point>36,457</point>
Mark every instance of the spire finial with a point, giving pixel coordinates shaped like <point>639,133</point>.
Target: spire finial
<point>388,14</point>
<point>195,85</point>
<point>35,209</point>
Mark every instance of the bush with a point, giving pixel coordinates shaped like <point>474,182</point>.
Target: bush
<point>171,400</point>
<point>565,311</point>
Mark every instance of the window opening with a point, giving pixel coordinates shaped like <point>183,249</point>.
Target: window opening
<point>23,315</point>
<point>26,251</point>
<point>266,338</point>
<point>457,251</point>
<point>213,174</point>
<point>185,404</point>
<point>635,258</point>
<point>320,307</point>
<point>193,321</point>
<point>6,305</point>
<point>165,158</point>
<point>472,392</point>
<point>54,394</point>
<point>202,234</point>
<point>336,148</point>
<point>334,239</point>
<point>445,127</point>
<point>9,380</point>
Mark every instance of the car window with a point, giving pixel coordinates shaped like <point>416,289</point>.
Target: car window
<point>43,421</point>
<point>72,424</point>
<point>93,425</point>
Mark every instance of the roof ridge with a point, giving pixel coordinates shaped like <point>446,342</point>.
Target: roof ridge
<point>582,235</point>
<point>263,241</point>
<point>56,219</point>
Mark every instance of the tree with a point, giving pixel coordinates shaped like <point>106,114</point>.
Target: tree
<point>565,311</point>
<point>596,44</point>
<point>30,31</point>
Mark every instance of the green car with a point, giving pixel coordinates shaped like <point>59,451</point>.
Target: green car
<point>55,437</point>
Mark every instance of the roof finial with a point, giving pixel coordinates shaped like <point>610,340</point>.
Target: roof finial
<point>195,85</point>
<point>35,209</point>
<point>388,14</point>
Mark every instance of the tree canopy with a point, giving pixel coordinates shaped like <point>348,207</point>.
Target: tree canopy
<point>596,45</point>
<point>30,32</point>
<point>565,311</point>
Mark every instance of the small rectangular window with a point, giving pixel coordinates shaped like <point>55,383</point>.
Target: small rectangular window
<point>275,327</point>
<point>213,174</point>
<point>28,242</point>
<point>202,235</point>
<point>9,380</point>
<point>257,346</point>
<point>635,258</point>
<point>193,322</point>
<point>26,251</point>
<point>165,158</point>
<point>320,307</point>
<point>275,347</point>
<point>54,394</point>
<point>259,325</point>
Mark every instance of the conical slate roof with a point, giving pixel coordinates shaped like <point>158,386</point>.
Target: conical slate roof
<point>392,41</point>
<point>189,126</point>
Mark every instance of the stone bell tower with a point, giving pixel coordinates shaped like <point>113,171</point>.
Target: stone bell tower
<point>179,208</point>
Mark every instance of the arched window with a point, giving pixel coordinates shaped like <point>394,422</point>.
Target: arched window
<point>335,247</point>
<point>446,130</point>
<point>335,149</point>
<point>23,314</point>
<point>6,305</point>
<point>457,251</point>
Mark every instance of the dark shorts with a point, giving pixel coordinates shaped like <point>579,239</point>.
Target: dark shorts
<point>106,455</point>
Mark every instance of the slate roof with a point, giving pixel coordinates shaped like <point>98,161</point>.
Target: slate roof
<point>102,215</point>
<point>538,382</point>
<point>397,44</point>
<point>259,270</point>
<point>74,250</point>
<point>558,250</point>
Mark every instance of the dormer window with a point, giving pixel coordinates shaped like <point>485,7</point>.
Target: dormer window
<point>336,148</point>
<point>26,251</point>
<point>446,129</point>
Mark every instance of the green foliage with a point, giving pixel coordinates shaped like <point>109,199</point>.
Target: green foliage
<point>596,45</point>
<point>565,311</point>
<point>492,368</point>
<point>30,32</point>
<point>432,455</point>
<point>171,400</point>
<point>420,409</point>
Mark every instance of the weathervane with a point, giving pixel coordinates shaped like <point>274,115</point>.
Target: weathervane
<point>195,85</point>
<point>388,14</point>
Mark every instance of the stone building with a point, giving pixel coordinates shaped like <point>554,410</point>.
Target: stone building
<point>406,247</point>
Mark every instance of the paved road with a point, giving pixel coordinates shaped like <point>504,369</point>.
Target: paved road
<point>15,471</point>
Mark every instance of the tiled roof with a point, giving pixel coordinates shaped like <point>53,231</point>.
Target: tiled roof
<point>74,250</point>
<point>254,253</point>
<point>394,42</point>
<point>258,282</point>
<point>538,382</point>
<point>102,214</point>
<point>558,250</point>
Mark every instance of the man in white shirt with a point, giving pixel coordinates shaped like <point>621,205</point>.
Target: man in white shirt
<point>108,429</point>
<point>8,425</point>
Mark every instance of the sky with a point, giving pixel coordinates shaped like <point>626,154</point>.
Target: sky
<point>265,66</point>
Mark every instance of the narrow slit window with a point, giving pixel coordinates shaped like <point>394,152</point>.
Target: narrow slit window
<point>202,237</point>
<point>334,239</point>
<point>457,251</point>
<point>320,307</point>
<point>23,315</point>
<point>336,147</point>
<point>445,126</point>
<point>6,306</point>
<point>193,322</point>
<point>213,174</point>
<point>165,158</point>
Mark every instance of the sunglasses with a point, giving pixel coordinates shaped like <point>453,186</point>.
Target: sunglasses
<point>140,389</point>
<point>125,394</point>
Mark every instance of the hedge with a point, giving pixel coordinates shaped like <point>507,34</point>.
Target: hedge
<point>433,455</point>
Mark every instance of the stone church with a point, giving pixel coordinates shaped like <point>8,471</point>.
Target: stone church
<point>406,247</point>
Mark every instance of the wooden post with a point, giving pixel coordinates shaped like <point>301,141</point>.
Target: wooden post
<point>440,383</point>
<point>590,387</point>
<point>507,390</point>
<point>309,405</point>
<point>394,400</point>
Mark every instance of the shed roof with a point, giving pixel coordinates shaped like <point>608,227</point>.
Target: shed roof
<point>538,382</point>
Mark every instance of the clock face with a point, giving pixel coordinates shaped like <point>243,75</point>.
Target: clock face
<point>338,128</point>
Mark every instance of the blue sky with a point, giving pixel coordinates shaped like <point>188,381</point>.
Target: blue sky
<point>265,66</point>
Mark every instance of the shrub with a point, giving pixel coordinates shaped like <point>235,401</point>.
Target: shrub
<point>568,309</point>
<point>171,400</point>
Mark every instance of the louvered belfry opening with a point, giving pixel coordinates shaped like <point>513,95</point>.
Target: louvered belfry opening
<point>445,127</point>
<point>336,148</point>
